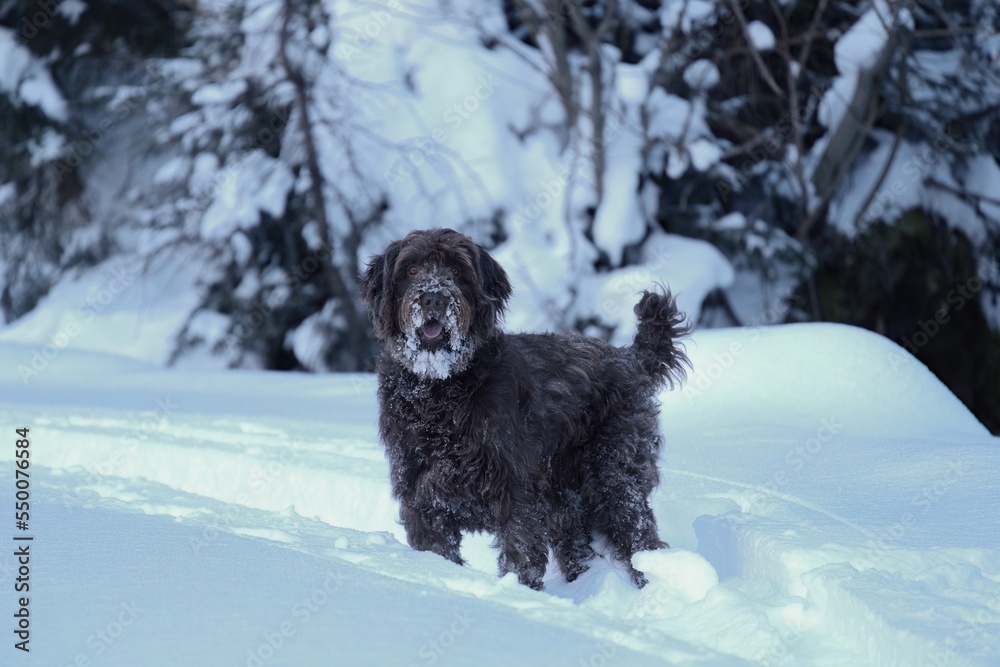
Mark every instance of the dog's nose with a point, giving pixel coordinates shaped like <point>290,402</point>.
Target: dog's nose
<point>432,301</point>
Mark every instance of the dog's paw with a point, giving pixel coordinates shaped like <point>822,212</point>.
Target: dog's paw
<point>572,571</point>
<point>535,584</point>
<point>638,578</point>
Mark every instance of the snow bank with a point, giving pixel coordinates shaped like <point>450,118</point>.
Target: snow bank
<point>124,306</point>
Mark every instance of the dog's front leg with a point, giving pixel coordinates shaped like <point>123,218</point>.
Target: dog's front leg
<point>429,526</point>
<point>429,529</point>
<point>521,538</point>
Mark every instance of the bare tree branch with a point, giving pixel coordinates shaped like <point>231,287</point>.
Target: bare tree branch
<point>547,31</point>
<point>734,5</point>
<point>592,39</point>
<point>848,137</point>
<point>897,140</point>
<point>338,287</point>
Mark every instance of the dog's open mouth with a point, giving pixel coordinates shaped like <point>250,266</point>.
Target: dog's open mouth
<point>432,329</point>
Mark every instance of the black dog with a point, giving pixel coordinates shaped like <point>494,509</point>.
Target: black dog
<point>540,439</point>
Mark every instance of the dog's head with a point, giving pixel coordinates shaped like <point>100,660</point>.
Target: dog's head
<point>434,297</point>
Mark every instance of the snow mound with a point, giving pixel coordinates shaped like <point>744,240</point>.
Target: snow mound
<point>807,372</point>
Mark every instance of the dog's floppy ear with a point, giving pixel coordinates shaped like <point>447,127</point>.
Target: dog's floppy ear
<point>376,289</point>
<point>493,280</point>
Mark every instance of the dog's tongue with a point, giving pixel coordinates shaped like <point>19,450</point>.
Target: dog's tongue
<point>432,329</point>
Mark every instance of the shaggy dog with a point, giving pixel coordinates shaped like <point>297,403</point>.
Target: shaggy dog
<point>543,440</point>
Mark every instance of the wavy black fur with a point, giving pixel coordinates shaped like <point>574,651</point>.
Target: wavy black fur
<point>543,440</point>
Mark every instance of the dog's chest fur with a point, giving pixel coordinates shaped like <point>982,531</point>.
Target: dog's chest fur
<point>437,414</point>
<point>454,447</point>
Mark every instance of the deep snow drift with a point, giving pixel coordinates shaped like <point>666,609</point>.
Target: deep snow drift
<point>828,502</point>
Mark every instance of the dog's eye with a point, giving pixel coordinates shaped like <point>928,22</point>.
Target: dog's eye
<point>413,269</point>
<point>455,271</point>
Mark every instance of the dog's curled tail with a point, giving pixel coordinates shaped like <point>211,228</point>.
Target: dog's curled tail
<point>661,326</point>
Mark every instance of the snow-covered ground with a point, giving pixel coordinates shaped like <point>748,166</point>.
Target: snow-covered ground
<point>827,500</point>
